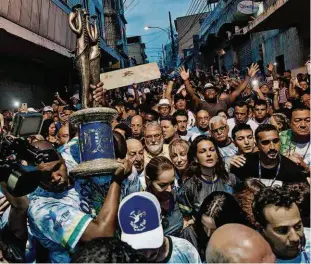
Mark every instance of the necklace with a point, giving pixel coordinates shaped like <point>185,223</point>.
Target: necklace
<point>277,170</point>
<point>304,155</point>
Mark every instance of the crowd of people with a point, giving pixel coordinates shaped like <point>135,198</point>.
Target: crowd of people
<point>213,168</point>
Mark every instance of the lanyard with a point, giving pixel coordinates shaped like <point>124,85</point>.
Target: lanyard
<point>277,171</point>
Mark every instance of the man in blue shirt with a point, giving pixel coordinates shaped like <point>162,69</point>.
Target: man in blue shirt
<point>57,215</point>
<point>281,225</point>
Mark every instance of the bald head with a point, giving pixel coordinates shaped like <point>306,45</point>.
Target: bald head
<point>137,126</point>
<point>135,154</point>
<point>203,119</point>
<point>237,243</point>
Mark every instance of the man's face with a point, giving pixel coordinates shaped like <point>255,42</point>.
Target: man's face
<point>63,135</point>
<point>65,115</point>
<point>154,139</point>
<point>220,131</point>
<point>260,112</point>
<point>210,94</point>
<point>137,125</point>
<point>56,179</point>
<point>303,85</point>
<point>135,154</point>
<point>264,89</point>
<point>300,123</point>
<point>182,122</point>
<point>287,74</point>
<point>180,104</point>
<point>241,114</point>
<point>203,119</point>
<point>306,100</point>
<point>269,144</point>
<point>284,231</point>
<point>47,115</point>
<point>244,140</point>
<point>164,110</point>
<point>168,129</point>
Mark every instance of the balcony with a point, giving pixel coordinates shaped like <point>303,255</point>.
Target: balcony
<point>281,14</point>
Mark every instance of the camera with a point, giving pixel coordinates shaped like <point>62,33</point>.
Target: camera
<point>18,158</point>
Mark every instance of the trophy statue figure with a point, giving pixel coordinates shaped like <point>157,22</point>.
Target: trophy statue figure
<point>93,122</point>
<point>77,23</point>
<point>94,54</point>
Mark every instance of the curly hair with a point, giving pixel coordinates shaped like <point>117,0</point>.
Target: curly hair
<point>107,250</point>
<point>301,193</point>
<point>245,197</point>
<point>220,170</point>
<point>277,196</point>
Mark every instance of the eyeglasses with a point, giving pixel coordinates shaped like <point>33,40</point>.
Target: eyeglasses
<point>156,137</point>
<point>268,142</point>
<point>220,129</point>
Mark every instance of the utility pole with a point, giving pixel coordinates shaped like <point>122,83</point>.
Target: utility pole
<point>172,37</point>
<point>163,56</point>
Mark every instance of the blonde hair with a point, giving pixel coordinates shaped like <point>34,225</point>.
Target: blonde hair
<point>181,143</point>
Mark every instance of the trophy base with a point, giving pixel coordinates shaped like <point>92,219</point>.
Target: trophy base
<point>104,114</point>
<point>95,168</point>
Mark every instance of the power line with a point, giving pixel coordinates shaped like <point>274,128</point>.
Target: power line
<point>196,19</point>
<point>191,9</point>
<point>128,11</point>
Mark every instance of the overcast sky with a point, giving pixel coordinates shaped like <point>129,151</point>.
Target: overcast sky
<point>143,13</point>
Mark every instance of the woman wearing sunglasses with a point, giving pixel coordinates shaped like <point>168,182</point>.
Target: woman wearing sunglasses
<point>161,182</point>
<point>268,165</point>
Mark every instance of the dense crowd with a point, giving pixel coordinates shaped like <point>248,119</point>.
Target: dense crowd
<point>213,168</point>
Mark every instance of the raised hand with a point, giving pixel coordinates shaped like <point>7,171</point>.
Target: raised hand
<point>238,161</point>
<point>270,67</point>
<point>253,70</point>
<point>183,73</point>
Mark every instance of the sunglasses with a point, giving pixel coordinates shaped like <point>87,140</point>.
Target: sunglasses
<point>268,142</point>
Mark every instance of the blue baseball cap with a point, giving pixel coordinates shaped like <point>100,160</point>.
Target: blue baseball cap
<point>140,221</point>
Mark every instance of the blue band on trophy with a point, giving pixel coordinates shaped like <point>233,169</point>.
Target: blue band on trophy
<point>96,141</point>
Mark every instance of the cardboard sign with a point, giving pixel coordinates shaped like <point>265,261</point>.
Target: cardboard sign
<point>128,76</point>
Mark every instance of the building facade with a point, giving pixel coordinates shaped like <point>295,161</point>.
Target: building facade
<point>136,50</point>
<point>237,33</point>
<point>37,49</point>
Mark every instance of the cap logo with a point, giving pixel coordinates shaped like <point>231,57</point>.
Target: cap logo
<point>139,222</point>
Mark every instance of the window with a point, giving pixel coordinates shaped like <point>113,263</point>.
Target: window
<point>99,21</point>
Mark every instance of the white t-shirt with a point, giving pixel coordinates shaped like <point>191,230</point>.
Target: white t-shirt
<point>231,123</point>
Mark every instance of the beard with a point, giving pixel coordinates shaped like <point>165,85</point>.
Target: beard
<point>155,149</point>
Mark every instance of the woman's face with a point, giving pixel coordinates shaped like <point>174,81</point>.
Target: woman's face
<point>52,129</point>
<point>206,154</point>
<point>179,157</point>
<point>209,225</point>
<point>164,182</point>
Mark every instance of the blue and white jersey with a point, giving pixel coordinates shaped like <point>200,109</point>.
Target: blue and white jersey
<point>57,221</point>
<point>195,131</point>
<point>304,256</point>
<point>4,218</point>
<point>182,251</point>
<point>70,153</point>
<point>228,151</point>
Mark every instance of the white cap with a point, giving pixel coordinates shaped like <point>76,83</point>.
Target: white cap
<point>32,110</point>
<point>140,221</point>
<point>75,96</point>
<point>208,85</point>
<point>47,109</point>
<point>164,102</point>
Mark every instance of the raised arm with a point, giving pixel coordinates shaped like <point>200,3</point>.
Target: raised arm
<point>106,222</point>
<point>136,93</point>
<point>185,76</point>
<point>272,71</point>
<point>168,91</point>
<point>251,73</point>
